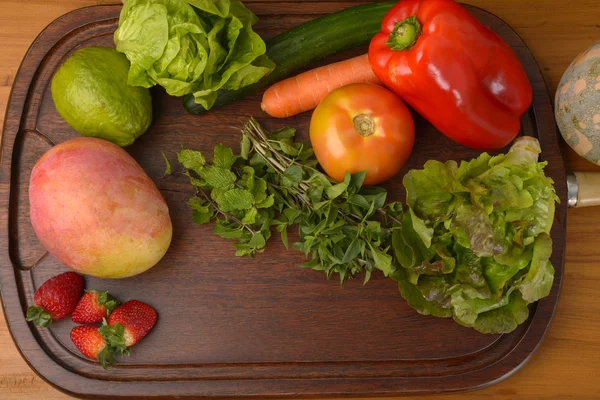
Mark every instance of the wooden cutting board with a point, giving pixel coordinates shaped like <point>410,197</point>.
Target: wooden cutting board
<point>247,327</point>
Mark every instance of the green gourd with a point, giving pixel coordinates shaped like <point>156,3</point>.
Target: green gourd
<point>577,104</point>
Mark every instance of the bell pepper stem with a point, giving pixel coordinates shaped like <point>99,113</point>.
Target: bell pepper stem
<point>405,34</point>
<point>364,125</point>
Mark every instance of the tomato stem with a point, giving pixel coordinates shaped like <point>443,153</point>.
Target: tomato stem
<point>364,125</point>
<point>405,34</point>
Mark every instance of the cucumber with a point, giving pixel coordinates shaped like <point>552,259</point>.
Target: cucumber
<point>308,43</point>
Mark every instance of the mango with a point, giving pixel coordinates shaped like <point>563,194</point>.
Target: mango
<point>94,208</point>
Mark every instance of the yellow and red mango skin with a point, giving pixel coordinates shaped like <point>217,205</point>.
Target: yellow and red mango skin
<point>95,209</point>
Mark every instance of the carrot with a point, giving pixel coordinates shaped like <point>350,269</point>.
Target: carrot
<point>305,91</point>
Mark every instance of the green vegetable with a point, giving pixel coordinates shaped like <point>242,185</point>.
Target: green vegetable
<point>90,92</point>
<point>191,46</point>
<point>576,104</point>
<point>475,243</point>
<point>273,183</point>
<point>308,43</point>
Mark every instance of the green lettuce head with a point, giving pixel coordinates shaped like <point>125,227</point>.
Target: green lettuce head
<point>475,244</point>
<point>191,46</point>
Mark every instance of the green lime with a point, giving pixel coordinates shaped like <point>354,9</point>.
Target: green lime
<point>91,93</point>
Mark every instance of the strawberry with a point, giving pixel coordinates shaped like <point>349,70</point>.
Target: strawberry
<point>93,307</point>
<point>128,324</point>
<point>91,343</point>
<point>55,299</point>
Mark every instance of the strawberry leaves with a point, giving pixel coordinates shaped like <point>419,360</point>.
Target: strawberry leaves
<point>115,338</point>
<point>106,300</point>
<point>106,357</point>
<point>39,317</point>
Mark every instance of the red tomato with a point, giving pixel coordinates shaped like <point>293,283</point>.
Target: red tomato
<point>362,127</point>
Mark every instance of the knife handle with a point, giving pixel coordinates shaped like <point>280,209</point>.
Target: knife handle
<point>583,189</point>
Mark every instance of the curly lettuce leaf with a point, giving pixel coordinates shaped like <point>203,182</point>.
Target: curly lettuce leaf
<point>474,243</point>
<point>218,8</point>
<point>482,233</point>
<point>191,46</point>
<point>409,249</point>
<point>432,193</point>
<point>142,36</point>
<point>469,268</point>
<point>504,319</point>
<point>538,281</point>
<point>417,300</point>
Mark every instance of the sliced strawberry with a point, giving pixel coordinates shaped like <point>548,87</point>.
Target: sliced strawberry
<point>128,324</point>
<point>91,344</point>
<point>55,299</point>
<point>93,307</point>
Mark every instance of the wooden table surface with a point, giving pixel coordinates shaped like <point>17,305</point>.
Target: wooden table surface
<point>568,363</point>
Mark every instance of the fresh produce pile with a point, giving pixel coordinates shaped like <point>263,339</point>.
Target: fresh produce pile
<point>472,241</point>
<point>473,244</point>
<point>123,325</point>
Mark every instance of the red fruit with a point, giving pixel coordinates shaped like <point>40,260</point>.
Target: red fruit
<point>91,344</point>
<point>128,324</point>
<point>93,307</point>
<point>55,299</point>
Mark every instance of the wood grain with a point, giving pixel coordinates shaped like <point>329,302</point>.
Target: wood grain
<point>569,356</point>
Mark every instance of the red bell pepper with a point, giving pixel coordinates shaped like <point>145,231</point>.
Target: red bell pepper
<point>454,71</point>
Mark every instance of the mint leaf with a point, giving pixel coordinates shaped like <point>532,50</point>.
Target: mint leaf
<point>257,161</point>
<point>191,159</point>
<point>383,261</point>
<point>356,181</point>
<point>266,203</point>
<point>245,147</point>
<point>360,201</point>
<point>257,241</point>
<point>367,277</point>
<point>203,211</point>
<point>315,194</point>
<point>283,231</point>
<point>259,190</point>
<point>292,175</point>
<point>228,232</point>
<point>220,178</point>
<point>223,157</point>
<point>196,203</point>
<point>243,249</point>
<point>283,133</point>
<point>292,214</point>
<point>250,216</point>
<point>168,170</point>
<point>288,149</point>
<point>200,217</point>
<point>234,199</point>
<point>317,179</point>
<point>247,179</point>
<point>336,190</point>
<point>351,252</point>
